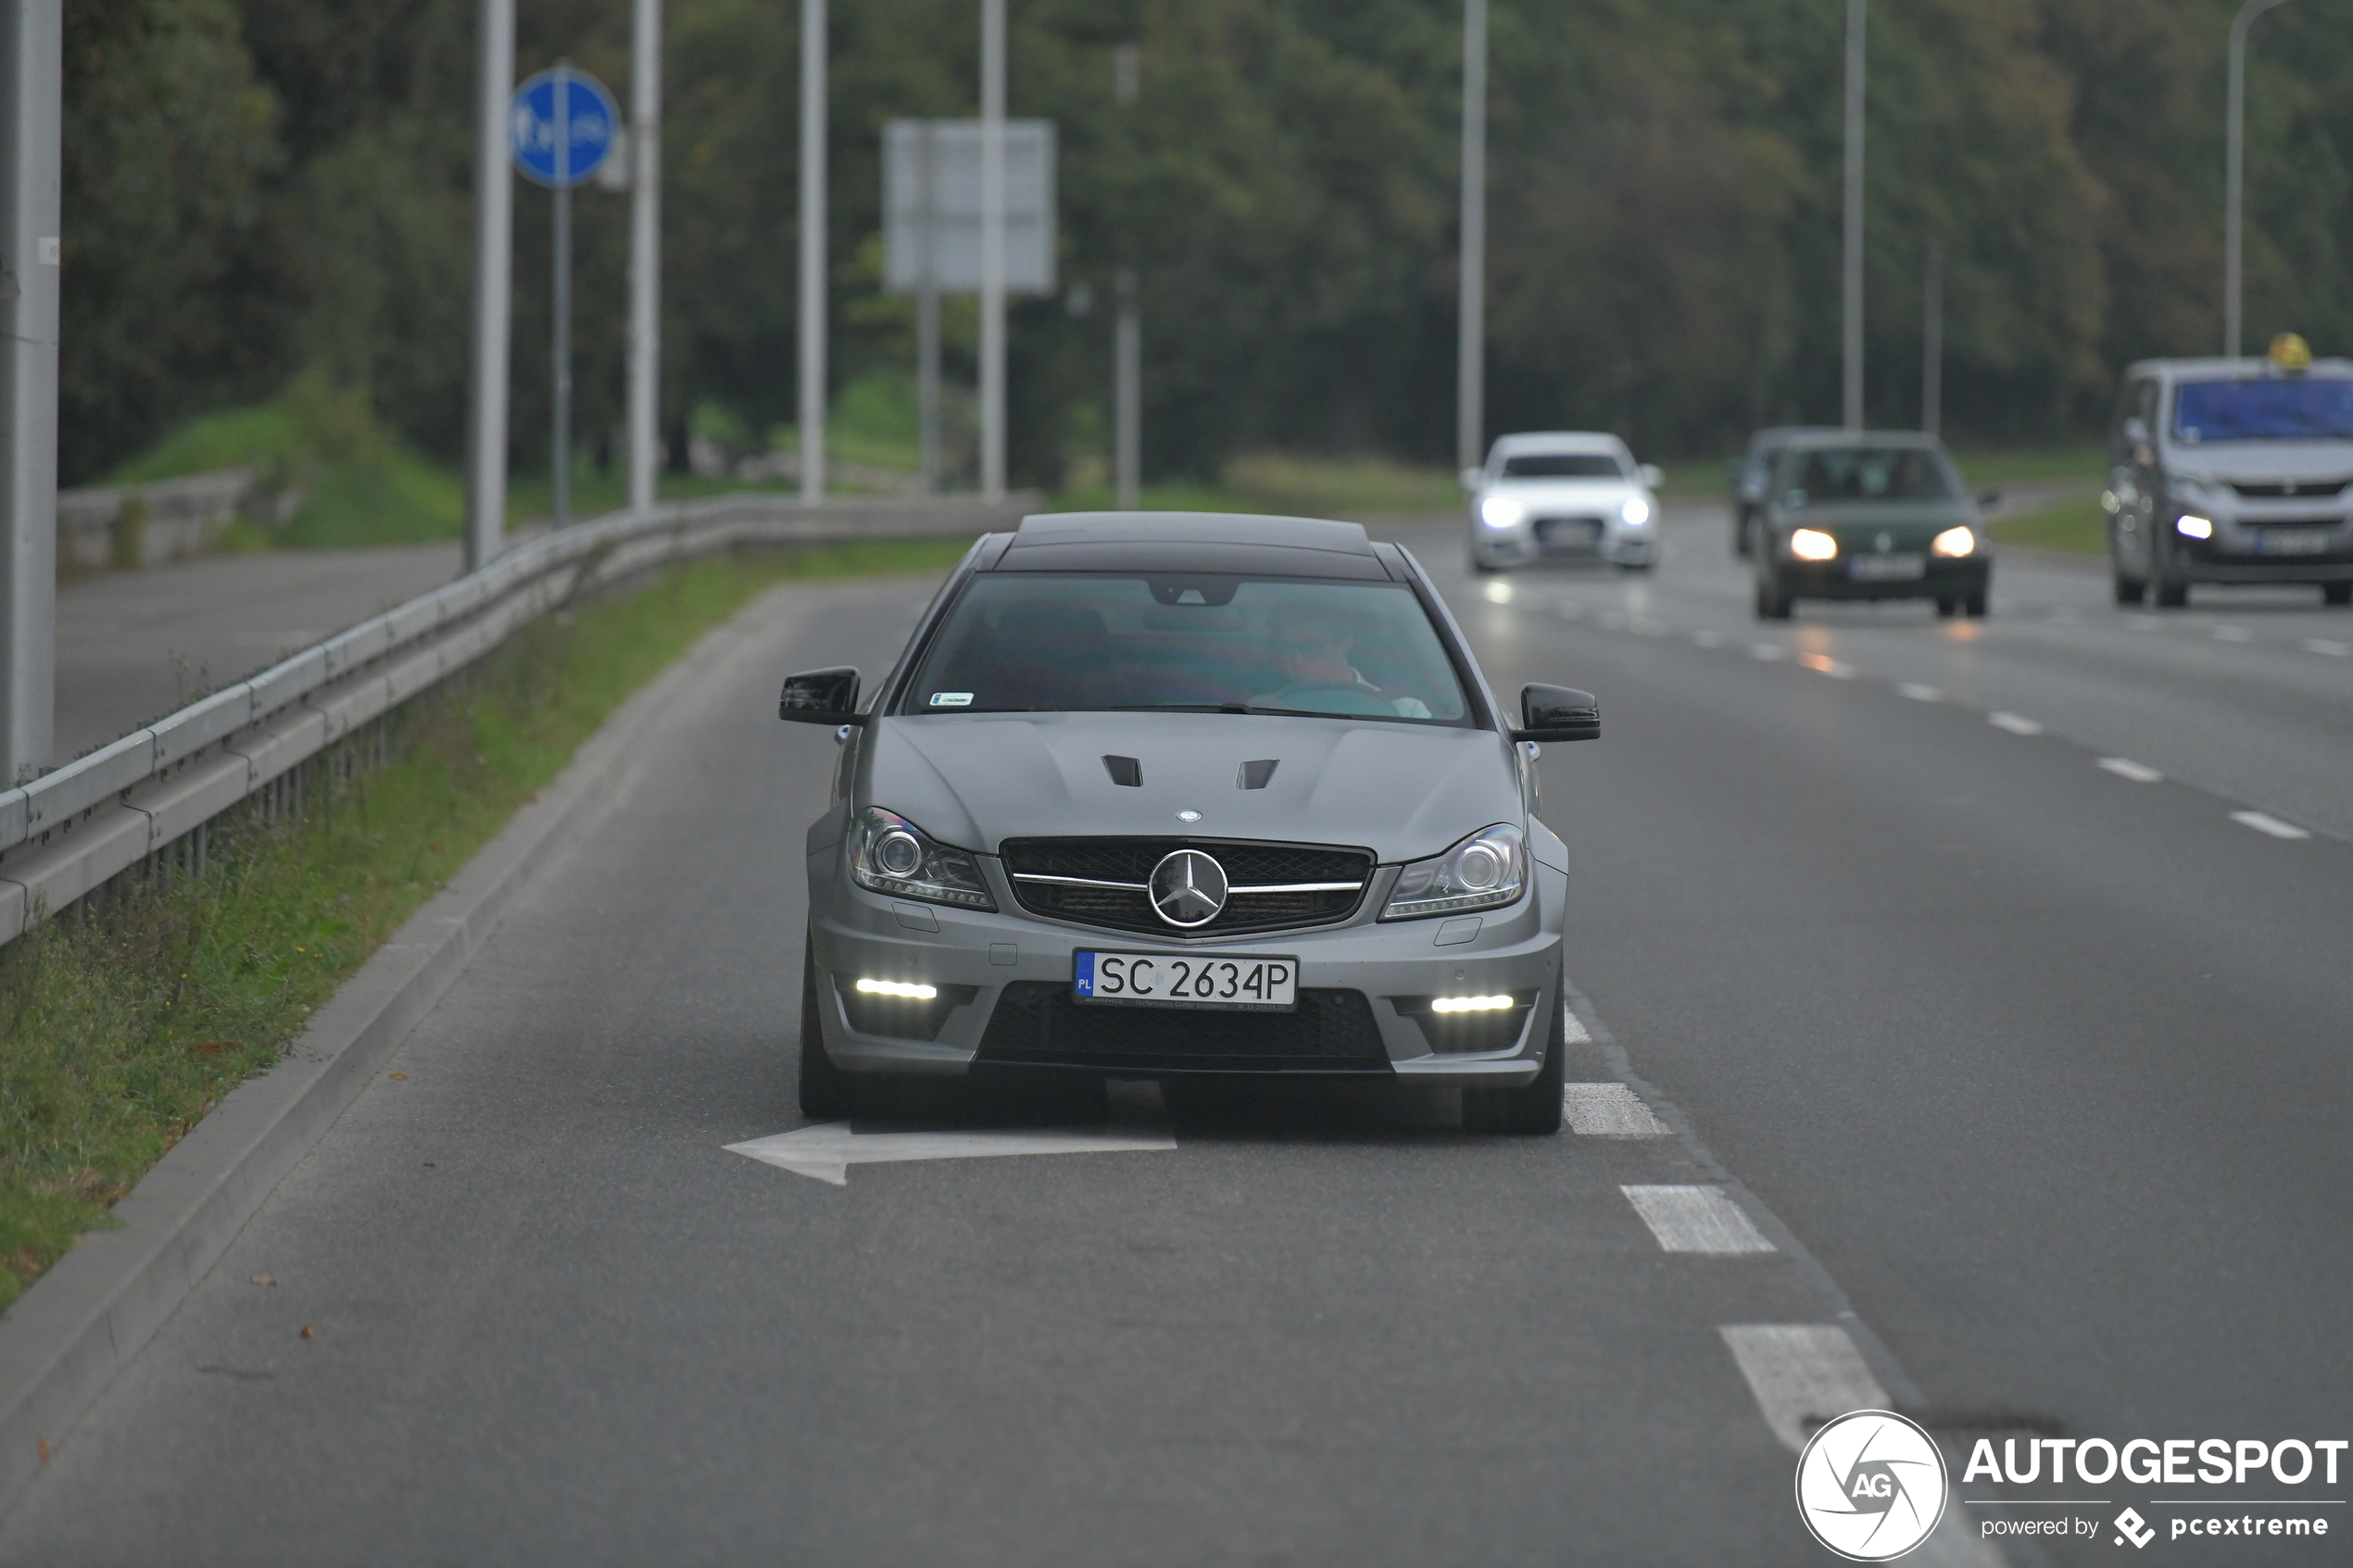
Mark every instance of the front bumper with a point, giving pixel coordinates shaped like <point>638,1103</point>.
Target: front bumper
<point>982,962</point>
<point>2247,549</point>
<point>1941,578</point>
<point>1609,540</point>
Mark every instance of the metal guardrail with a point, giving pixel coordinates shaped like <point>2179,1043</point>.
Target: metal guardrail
<point>64,834</point>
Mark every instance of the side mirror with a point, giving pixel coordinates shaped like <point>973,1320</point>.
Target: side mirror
<point>821,696</point>
<point>1470,478</point>
<point>1652,475</point>
<point>1557,713</point>
<point>1989,499</point>
<point>2136,432</point>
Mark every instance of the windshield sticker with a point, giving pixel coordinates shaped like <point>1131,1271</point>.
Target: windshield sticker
<point>952,699</point>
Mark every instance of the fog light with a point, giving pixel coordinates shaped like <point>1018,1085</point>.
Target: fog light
<point>1812,544</point>
<point>1470,1004</point>
<point>1954,541</point>
<point>913,990</point>
<point>2195,527</point>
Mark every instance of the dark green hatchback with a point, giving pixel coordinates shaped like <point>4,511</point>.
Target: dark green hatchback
<point>1868,515</point>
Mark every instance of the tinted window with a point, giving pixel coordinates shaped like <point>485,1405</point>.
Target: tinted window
<point>1867,473</point>
<point>1563,465</point>
<point>2264,408</point>
<point>1071,642</point>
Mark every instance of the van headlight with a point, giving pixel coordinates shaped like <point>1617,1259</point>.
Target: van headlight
<point>1484,872</point>
<point>1958,541</point>
<point>889,854</point>
<point>1502,511</point>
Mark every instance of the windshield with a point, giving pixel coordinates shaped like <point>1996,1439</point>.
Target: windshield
<point>1068,642</point>
<point>1563,465</point>
<point>1865,473</point>
<point>2264,408</point>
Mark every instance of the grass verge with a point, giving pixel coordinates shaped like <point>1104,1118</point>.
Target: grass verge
<point>2078,527</point>
<point>122,1026</point>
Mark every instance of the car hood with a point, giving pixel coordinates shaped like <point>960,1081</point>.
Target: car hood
<point>1403,791</point>
<point>2260,462</point>
<point>1910,525</point>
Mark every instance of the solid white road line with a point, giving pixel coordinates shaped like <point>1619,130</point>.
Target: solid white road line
<point>1803,1375</point>
<point>2261,823</point>
<point>1696,1219</point>
<point>2125,768</point>
<point>826,1151</point>
<point>1609,1110</point>
<point>2013,724</point>
<point>1919,692</point>
<point>2328,646</point>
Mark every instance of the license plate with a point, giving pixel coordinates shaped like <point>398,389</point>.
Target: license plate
<point>1886,569</point>
<point>2292,541</point>
<point>1256,983</point>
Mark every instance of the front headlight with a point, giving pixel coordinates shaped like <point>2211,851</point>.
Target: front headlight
<point>1954,541</point>
<point>1485,871</point>
<point>1812,544</point>
<point>2193,527</point>
<point>1502,511</point>
<point>1636,512</point>
<point>889,854</point>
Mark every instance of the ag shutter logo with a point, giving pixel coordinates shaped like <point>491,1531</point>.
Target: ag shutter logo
<point>2133,1528</point>
<point>1870,1485</point>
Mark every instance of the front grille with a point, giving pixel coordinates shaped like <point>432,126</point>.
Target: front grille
<point>2299,488</point>
<point>1128,862</point>
<point>1569,533</point>
<point>1039,1024</point>
<point>2289,521</point>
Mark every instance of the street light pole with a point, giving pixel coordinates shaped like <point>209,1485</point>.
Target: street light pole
<point>1470,315</point>
<point>1851,304</point>
<point>494,291</point>
<point>1933,340</point>
<point>1127,336</point>
<point>645,252</point>
<point>32,80</point>
<point>812,251</point>
<point>560,370</point>
<point>992,250</point>
<point>2234,172</point>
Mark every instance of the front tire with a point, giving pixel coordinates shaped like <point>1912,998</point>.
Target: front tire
<point>1535,1110</point>
<point>2130,590</point>
<point>2336,593</point>
<point>2170,591</point>
<point>1772,604</point>
<point>1973,606</point>
<point>826,1092</point>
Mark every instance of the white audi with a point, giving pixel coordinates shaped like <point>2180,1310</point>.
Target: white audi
<point>1563,495</point>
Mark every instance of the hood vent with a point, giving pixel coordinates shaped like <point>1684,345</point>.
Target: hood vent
<point>1256,775</point>
<point>1128,772</point>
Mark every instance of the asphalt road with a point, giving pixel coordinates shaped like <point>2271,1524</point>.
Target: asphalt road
<point>133,646</point>
<point>2018,1078</point>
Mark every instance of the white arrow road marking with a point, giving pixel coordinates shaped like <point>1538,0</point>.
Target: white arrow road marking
<point>826,1151</point>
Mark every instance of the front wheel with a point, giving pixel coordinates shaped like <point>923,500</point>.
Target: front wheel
<point>2130,590</point>
<point>826,1092</point>
<point>2336,593</point>
<point>1772,604</point>
<point>1973,606</point>
<point>1535,1109</point>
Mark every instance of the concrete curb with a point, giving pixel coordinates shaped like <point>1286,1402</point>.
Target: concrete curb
<point>65,1337</point>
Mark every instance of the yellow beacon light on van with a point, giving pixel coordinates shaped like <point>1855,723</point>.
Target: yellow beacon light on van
<point>2291,353</point>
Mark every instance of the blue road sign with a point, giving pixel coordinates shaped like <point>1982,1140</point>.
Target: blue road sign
<point>586,111</point>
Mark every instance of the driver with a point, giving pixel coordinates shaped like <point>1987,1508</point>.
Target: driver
<point>1312,655</point>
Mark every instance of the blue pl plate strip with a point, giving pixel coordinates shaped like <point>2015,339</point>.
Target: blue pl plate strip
<point>1086,976</point>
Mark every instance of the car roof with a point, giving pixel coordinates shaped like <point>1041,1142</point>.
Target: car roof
<point>1559,441</point>
<point>2248,365</point>
<point>1214,542</point>
<point>1833,439</point>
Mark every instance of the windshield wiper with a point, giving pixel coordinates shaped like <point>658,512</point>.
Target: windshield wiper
<point>1195,708</point>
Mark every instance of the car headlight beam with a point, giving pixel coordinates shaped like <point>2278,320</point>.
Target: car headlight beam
<point>1484,872</point>
<point>2190,526</point>
<point>1502,511</point>
<point>1635,512</point>
<point>1954,542</point>
<point>889,854</point>
<point>1812,544</point>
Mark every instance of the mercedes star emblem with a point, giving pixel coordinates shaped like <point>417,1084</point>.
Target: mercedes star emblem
<point>1188,888</point>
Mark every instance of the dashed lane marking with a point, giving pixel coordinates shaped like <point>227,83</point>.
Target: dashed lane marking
<point>2231,634</point>
<point>1803,1375</point>
<point>1696,1219</point>
<point>1709,639</point>
<point>2013,724</point>
<point>2328,646</point>
<point>1609,1110</point>
<point>1824,664</point>
<point>1919,692</point>
<point>1768,651</point>
<point>2264,822</point>
<point>2125,768</point>
<point>1573,1028</point>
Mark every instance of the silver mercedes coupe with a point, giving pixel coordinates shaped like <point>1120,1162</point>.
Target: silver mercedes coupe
<point>1168,792</point>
